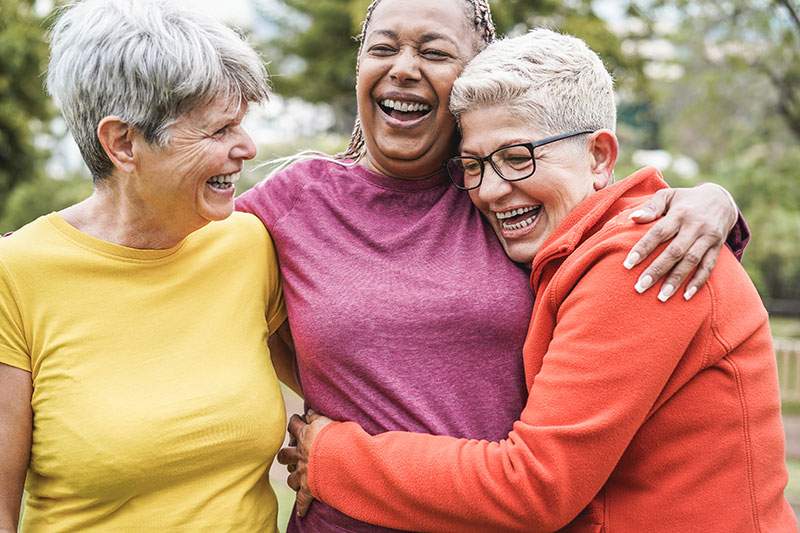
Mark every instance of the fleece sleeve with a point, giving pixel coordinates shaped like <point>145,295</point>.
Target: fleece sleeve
<point>611,355</point>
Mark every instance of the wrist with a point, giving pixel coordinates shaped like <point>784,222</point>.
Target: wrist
<point>733,204</point>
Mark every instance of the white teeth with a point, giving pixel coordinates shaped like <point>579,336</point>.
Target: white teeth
<point>502,215</point>
<point>405,107</point>
<point>226,179</point>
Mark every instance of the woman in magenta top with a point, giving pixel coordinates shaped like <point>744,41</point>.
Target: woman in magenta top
<point>382,260</point>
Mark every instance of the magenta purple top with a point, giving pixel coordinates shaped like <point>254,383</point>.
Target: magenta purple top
<point>406,313</point>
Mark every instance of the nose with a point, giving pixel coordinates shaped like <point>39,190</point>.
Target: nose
<point>493,187</point>
<point>244,148</point>
<point>405,67</point>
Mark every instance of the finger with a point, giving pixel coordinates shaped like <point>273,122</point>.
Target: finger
<point>291,467</point>
<point>673,254</point>
<point>685,266</point>
<point>664,229</point>
<point>703,271</point>
<point>288,455</point>
<point>655,207</point>
<point>303,502</point>
<point>294,481</point>
<point>296,424</point>
<point>292,440</point>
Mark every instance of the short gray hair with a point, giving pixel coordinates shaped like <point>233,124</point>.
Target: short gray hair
<point>147,62</point>
<point>554,81</point>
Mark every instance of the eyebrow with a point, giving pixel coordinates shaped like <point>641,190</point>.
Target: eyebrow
<point>425,38</point>
<point>506,143</point>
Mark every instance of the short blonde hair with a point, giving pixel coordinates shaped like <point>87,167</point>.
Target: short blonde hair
<point>554,81</point>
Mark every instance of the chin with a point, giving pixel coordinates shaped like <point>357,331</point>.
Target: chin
<point>522,256</point>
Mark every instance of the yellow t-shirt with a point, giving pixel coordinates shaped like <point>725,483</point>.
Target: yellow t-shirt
<point>156,407</point>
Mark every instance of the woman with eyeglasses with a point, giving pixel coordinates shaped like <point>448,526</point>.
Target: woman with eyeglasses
<point>641,415</point>
<point>406,313</point>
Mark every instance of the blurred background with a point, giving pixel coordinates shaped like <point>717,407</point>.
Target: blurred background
<point>708,90</point>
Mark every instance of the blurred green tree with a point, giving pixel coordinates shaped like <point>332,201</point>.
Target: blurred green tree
<point>24,106</point>
<point>40,196</point>
<point>731,101</point>
<point>313,50</point>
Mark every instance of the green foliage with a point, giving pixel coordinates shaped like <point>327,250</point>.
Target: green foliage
<point>731,110</point>
<point>41,196</point>
<point>313,54</point>
<point>24,107</point>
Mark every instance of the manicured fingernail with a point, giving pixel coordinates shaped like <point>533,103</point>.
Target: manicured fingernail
<point>637,213</point>
<point>689,293</point>
<point>665,292</point>
<point>631,260</point>
<point>643,284</point>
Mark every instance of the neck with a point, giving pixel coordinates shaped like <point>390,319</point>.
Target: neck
<point>113,216</point>
<point>411,174</point>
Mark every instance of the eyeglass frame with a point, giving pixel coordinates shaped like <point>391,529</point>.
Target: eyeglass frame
<point>531,146</point>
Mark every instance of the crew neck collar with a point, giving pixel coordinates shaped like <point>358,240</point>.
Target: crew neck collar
<point>109,248</point>
<point>400,184</point>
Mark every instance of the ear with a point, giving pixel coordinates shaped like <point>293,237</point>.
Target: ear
<point>604,149</point>
<point>116,138</point>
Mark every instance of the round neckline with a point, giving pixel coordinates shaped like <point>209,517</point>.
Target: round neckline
<point>109,248</point>
<point>400,184</point>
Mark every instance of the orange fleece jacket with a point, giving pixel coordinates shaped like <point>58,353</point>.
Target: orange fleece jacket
<point>641,416</point>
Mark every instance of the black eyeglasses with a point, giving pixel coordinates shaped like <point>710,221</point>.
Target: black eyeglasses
<point>512,163</point>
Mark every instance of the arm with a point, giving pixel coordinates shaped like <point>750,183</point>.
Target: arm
<point>585,405</point>
<point>16,421</point>
<point>698,221</point>
<point>281,349</point>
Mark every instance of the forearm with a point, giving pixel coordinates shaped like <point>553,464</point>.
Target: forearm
<point>454,485</point>
<point>284,360</point>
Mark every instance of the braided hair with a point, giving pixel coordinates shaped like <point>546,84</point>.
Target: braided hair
<point>481,17</point>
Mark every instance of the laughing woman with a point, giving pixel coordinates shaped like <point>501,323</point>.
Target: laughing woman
<point>136,390</point>
<point>640,415</point>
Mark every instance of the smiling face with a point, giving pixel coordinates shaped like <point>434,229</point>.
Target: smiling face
<point>192,179</point>
<point>407,68</point>
<point>525,213</point>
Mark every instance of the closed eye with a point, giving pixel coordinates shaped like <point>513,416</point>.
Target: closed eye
<point>435,55</point>
<point>382,50</point>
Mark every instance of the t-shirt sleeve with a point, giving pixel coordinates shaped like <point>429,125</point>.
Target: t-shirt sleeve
<point>13,348</point>
<point>273,197</point>
<point>276,307</point>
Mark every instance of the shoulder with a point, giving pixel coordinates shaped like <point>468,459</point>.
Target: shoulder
<point>276,195</point>
<point>28,243</point>
<point>240,230</point>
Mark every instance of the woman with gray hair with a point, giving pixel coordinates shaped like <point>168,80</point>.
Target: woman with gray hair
<point>640,415</point>
<point>136,389</point>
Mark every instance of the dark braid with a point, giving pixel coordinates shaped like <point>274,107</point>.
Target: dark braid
<point>482,20</point>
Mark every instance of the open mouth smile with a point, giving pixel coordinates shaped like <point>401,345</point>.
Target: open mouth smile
<point>223,183</point>
<point>404,111</point>
<point>518,221</point>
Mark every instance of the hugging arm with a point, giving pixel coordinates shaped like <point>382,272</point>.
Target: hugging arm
<point>583,410</point>
<point>16,420</point>
<point>696,222</point>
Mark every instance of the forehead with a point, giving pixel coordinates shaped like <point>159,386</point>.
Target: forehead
<point>219,110</point>
<point>415,18</point>
<point>484,129</point>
